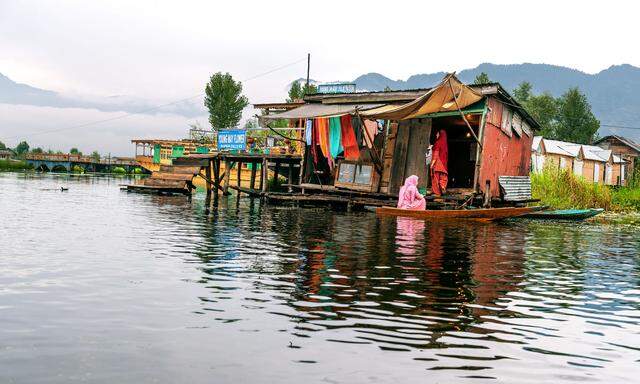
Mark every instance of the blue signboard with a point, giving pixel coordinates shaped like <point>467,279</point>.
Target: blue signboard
<point>337,88</point>
<point>229,139</point>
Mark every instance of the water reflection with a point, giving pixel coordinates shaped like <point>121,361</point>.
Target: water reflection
<point>266,294</point>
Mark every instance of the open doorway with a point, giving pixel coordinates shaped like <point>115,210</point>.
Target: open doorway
<point>462,148</point>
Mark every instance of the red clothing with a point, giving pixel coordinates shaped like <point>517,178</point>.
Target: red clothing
<point>439,169</point>
<point>349,143</point>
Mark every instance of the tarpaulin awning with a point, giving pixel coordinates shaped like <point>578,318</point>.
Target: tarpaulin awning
<point>312,110</point>
<point>447,96</point>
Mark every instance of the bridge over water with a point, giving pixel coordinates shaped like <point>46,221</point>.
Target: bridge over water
<point>66,162</point>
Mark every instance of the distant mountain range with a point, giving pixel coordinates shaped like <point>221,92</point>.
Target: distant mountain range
<point>614,93</point>
<point>12,92</point>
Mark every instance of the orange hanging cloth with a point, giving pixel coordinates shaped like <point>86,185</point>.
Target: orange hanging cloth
<point>349,143</point>
<point>323,139</point>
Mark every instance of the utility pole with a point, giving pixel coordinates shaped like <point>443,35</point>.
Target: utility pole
<point>308,66</point>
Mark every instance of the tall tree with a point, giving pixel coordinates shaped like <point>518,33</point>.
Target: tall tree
<point>523,92</point>
<point>309,89</point>
<point>2,146</point>
<point>75,151</point>
<point>95,155</point>
<point>576,122</point>
<point>224,100</point>
<point>37,150</point>
<point>295,92</point>
<point>482,78</point>
<point>544,109</point>
<point>22,148</point>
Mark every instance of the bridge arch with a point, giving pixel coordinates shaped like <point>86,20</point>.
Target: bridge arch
<point>59,168</point>
<point>42,167</point>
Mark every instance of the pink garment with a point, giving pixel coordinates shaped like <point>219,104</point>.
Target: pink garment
<point>370,130</point>
<point>409,197</point>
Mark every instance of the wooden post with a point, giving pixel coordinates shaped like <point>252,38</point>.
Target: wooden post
<point>263,179</point>
<point>252,183</point>
<point>216,179</point>
<point>239,175</point>
<point>208,174</point>
<point>227,173</point>
<point>290,177</point>
<point>276,172</point>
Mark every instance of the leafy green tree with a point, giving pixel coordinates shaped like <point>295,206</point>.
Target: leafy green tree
<point>22,148</point>
<point>576,122</point>
<point>544,109</point>
<point>37,150</point>
<point>298,92</point>
<point>387,89</point>
<point>309,89</point>
<point>295,92</point>
<point>224,100</point>
<point>523,92</point>
<point>95,155</point>
<point>75,151</point>
<point>2,146</point>
<point>482,78</point>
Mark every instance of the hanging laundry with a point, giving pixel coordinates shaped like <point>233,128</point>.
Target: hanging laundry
<point>349,143</point>
<point>315,140</point>
<point>308,133</point>
<point>371,129</point>
<point>323,139</point>
<point>335,143</point>
<point>357,131</point>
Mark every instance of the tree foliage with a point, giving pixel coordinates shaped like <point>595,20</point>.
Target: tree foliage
<point>224,100</point>
<point>482,78</point>
<point>2,146</point>
<point>297,91</point>
<point>75,151</point>
<point>567,118</point>
<point>22,148</point>
<point>95,155</point>
<point>37,150</point>
<point>576,122</point>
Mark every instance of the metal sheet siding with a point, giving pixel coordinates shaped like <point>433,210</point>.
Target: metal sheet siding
<point>502,155</point>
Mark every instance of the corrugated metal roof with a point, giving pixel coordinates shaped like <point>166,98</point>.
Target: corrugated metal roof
<point>591,152</point>
<point>561,147</point>
<point>622,139</point>
<point>535,144</point>
<point>320,110</point>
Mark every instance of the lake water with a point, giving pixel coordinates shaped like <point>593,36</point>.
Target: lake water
<point>103,286</point>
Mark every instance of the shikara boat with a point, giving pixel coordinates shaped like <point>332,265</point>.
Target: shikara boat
<point>479,214</point>
<point>564,214</point>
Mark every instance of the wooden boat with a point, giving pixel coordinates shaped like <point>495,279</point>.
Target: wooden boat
<point>564,214</point>
<point>479,214</point>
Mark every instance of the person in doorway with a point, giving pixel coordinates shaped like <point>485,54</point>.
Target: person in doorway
<point>410,197</point>
<point>439,158</point>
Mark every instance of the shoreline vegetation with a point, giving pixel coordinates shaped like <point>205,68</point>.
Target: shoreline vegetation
<point>561,189</point>
<point>23,166</point>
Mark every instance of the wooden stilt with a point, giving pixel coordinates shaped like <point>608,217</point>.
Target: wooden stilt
<point>208,180</point>
<point>239,174</point>
<point>290,189</point>
<point>263,179</point>
<point>276,172</point>
<point>216,179</point>
<point>252,182</point>
<point>227,175</point>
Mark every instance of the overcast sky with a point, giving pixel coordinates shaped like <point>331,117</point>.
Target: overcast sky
<point>163,51</point>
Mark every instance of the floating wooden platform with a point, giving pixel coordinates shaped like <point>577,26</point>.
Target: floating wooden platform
<point>480,214</point>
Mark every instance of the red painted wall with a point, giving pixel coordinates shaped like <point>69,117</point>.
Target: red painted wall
<point>502,155</point>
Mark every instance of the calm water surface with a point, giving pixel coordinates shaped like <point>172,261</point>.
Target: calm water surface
<point>103,286</point>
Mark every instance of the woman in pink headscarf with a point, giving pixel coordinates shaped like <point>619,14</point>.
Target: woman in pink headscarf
<point>409,197</point>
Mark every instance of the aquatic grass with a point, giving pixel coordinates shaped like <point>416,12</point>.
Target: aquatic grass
<point>626,198</point>
<point>14,165</point>
<point>561,189</point>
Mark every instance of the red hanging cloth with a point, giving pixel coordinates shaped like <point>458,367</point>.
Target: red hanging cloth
<point>349,143</point>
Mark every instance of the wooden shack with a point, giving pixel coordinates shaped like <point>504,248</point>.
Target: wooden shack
<point>489,135</point>
<point>627,151</point>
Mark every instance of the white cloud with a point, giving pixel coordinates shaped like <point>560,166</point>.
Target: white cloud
<point>166,50</point>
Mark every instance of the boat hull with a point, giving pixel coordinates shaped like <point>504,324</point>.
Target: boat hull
<point>565,214</point>
<point>480,214</point>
